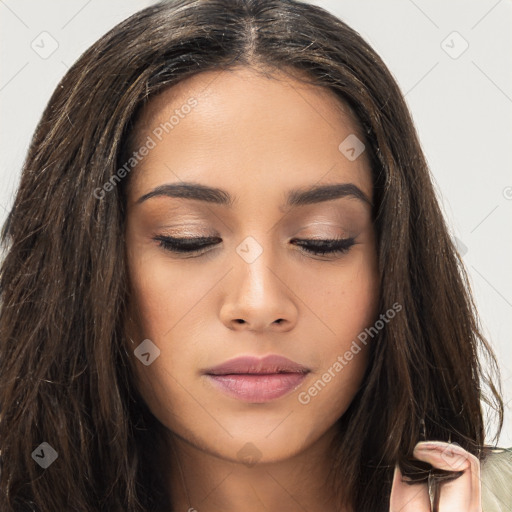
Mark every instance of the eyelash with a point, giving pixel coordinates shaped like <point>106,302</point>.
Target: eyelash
<point>312,246</point>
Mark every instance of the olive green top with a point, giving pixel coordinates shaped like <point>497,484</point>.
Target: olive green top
<point>496,476</point>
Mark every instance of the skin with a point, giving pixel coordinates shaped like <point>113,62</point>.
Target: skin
<point>255,137</point>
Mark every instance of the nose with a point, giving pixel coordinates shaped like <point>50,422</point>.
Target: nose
<point>259,296</point>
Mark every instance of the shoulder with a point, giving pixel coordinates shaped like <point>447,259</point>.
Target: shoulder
<point>496,476</point>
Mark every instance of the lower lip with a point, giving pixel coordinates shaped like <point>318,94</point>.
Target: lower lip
<point>258,388</point>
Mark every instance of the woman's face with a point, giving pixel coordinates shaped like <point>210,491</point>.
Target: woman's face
<point>264,145</point>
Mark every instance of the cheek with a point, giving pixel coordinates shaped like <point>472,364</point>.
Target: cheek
<point>344,301</point>
<point>346,305</point>
<point>162,294</point>
<point>159,305</point>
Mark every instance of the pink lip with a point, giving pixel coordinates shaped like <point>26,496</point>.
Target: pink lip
<point>257,380</point>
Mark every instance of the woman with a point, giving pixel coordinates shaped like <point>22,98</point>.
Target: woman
<point>228,283</point>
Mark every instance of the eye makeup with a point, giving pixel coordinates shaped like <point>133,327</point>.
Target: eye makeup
<point>197,246</point>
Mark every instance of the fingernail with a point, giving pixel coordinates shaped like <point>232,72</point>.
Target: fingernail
<point>431,445</point>
<point>452,453</point>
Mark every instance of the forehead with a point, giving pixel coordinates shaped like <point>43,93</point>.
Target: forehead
<point>233,89</point>
<point>248,126</point>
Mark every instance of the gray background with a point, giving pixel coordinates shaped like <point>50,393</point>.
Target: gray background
<point>460,98</point>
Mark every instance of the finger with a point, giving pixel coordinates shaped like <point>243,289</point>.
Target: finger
<point>406,497</point>
<point>464,493</point>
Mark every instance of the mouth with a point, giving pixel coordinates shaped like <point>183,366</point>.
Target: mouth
<point>257,380</point>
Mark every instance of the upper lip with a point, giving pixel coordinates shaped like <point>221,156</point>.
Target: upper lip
<point>270,364</point>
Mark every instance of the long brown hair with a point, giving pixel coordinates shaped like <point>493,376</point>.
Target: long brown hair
<point>64,369</point>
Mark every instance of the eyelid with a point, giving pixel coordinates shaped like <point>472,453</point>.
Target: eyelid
<point>329,247</point>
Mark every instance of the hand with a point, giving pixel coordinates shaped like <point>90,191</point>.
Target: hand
<point>460,495</point>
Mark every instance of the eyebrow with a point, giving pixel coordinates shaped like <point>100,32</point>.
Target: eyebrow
<point>295,197</point>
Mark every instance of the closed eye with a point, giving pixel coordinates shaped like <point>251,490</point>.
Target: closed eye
<point>199,245</point>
